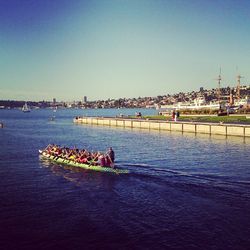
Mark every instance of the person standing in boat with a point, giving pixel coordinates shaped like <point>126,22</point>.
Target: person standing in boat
<point>110,157</point>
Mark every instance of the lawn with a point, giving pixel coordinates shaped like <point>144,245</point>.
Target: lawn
<point>225,119</point>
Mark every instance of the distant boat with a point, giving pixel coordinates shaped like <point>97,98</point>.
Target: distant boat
<point>55,109</point>
<point>25,108</point>
<point>52,118</point>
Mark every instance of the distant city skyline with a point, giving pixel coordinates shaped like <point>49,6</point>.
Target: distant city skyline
<point>113,49</point>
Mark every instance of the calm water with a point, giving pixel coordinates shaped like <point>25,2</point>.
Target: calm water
<point>185,191</point>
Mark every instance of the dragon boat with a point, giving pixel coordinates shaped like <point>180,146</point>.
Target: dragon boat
<point>59,160</point>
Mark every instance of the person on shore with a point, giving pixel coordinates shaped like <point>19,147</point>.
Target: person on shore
<point>138,114</point>
<point>177,114</point>
<point>173,115</point>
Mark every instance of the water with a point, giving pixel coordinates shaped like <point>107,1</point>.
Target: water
<point>185,191</point>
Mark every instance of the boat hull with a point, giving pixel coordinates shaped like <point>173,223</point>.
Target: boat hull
<point>81,165</point>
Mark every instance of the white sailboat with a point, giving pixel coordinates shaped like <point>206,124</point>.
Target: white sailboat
<point>25,108</point>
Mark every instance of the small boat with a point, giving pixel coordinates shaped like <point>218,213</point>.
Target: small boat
<point>52,118</point>
<point>25,108</point>
<point>59,160</point>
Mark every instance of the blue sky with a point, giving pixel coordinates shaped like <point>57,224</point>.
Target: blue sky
<point>121,48</point>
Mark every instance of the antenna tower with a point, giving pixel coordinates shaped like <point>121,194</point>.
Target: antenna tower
<point>218,89</point>
<point>238,86</point>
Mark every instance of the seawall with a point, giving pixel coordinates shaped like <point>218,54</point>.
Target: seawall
<point>192,127</point>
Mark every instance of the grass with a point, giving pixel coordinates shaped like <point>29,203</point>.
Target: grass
<point>224,119</point>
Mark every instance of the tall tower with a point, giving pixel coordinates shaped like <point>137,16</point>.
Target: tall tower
<point>238,86</point>
<point>218,89</point>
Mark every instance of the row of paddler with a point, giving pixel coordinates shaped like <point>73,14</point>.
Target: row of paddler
<point>81,155</point>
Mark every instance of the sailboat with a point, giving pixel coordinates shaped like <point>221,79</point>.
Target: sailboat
<point>25,108</point>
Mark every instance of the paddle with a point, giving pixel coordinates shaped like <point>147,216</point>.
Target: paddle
<point>93,160</point>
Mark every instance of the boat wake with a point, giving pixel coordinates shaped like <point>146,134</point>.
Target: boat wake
<point>194,178</point>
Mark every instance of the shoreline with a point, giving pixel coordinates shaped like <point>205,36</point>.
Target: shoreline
<point>226,129</point>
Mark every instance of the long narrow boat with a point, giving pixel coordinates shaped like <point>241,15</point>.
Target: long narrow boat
<point>44,155</point>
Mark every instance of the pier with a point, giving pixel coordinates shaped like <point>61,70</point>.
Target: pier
<point>191,127</point>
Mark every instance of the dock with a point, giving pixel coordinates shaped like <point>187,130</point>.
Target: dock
<point>191,127</point>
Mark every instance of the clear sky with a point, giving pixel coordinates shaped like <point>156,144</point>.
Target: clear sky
<point>120,48</point>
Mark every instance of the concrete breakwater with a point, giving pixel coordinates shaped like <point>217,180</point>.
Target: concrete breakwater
<point>192,127</point>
